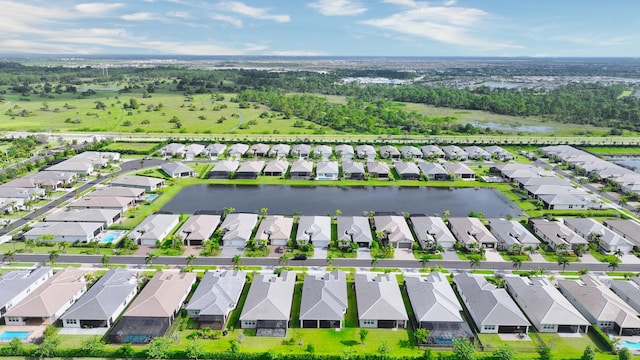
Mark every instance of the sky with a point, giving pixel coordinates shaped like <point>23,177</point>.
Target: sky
<point>536,28</point>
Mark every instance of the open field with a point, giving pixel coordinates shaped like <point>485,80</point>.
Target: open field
<point>613,150</point>
<point>131,146</point>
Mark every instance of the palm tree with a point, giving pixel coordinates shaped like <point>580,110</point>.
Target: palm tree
<point>148,259</point>
<point>9,256</point>
<point>618,253</point>
<point>284,259</point>
<point>424,260</point>
<point>28,244</point>
<point>53,256</point>
<point>190,259</point>
<point>563,261</point>
<point>613,264</point>
<point>106,260</point>
<point>264,211</point>
<point>330,260</point>
<point>517,263</point>
<point>237,261</point>
<point>475,262</point>
<point>338,212</point>
<point>62,246</point>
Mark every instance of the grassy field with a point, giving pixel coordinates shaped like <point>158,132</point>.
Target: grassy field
<point>135,146</point>
<point>613,150</point>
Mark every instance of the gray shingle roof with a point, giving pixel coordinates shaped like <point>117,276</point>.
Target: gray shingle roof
<point>433,299</point>
<point>316,227</point>
<point>352,167</point>
<point>395,227</point>
<point>155,226</point>
<point>239,226</point>
<point>270,297</point>
<point>511,232</point>
<point>171,168</point>
<point>71,229</point>
<point>431,228</point>
<point>251,166</point>
<point>199,227</point>
<point>354,228</point>
<point>218,292</point>
<point>378,297</point>
<point>226,166</point>
<point>118,191</point>
<point>137,181</point>
<point>162,295</point>
<point>83,215</point>
<point>15,282</point>
<point>324,297</point>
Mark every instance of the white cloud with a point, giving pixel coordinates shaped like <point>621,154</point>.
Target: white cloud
<point>253,12</point>
<point>97,9</point>
<point>338,7</point>
<point>141,16</point>
<point>447,24</point>
<point>297,53</point>
<point>228,19</point>
<point>179,14</point>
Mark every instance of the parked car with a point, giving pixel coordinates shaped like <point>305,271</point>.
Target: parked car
<point>300,257</point>
<point>280,249</point>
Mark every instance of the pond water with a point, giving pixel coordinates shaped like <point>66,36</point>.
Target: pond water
<point>319,200</point>
<point>538,129</point>
<point>630,162</point>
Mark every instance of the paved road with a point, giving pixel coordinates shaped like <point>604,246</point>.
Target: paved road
<point>124,168</point>
<point>356,263</point>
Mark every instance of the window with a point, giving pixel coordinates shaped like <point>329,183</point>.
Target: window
<point>368,322</point>
<point>71,321</point>
<point>548,326</point>
<point>489,327</point>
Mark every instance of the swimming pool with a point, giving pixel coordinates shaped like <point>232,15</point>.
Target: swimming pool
<point>108,239</point>
<point>633,345</point>
<point>151,197</point>
<point>9,335</point>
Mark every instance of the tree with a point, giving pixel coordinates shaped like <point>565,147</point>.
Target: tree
<point>422,335</point>
<point>28,244</point>
<point>194,349</point>
<point>284,259</point>
<point>106,260</point>
<point>93,347</point>
<point>234,346</point>
<point>330,259</point>
<point>9,256</point>
<point>149,258</point>
<point>618,253</point>
<point>463,349</point>
<point>624,354</point>
<point>53,256</point>
<point>338,212</point>
<point>517,263</point>
<point>16,346</point>
<point>504,352</point>
<point>159,348</point>
<point>563,261</point>
<point>237,261</point>
<point>62,246</point>
<point>613,264</point>
<point>374,261</point>
<point>264,211</point>
<point>588,354</point>
<point>190,259</point>
<point>544,353</point>
<point>475,261</point>
<point>424,260</point>
<point>363,335</point>
<point>384,349</point>
<point>48,347</point>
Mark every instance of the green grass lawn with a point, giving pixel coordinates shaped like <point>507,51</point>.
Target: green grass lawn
<point>138,147</point>
<point>602,257</point>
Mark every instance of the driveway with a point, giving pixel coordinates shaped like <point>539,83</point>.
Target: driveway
<point>403,254</point>
<point>537,258</point>
<point>230,251</point>
<point>588,259</point>
<point>630,259</point>
<point>319,253</point>
<point>450,255</point>
<point>363,253</point>
<point>493,255</point>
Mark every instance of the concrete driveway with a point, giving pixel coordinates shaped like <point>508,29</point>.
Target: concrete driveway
<point>403,254</point>
<point>493,255</point>
<point>363,253</point>
<point>320,253</point>
<point>230,251</point>
<point>630,259</point>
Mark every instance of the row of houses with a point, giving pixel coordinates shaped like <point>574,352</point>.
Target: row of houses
<point>543,185</point>
<point>591,166</point>
<point>332,170</point>
<point>344,151</point>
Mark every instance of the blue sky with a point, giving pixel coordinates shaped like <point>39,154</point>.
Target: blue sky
<point>322,27</point>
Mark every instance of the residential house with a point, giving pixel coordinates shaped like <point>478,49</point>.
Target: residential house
<point>436,308</point>
<point>119,203</point>
<point>236,151</point>
<point>452,152</point>
<point>315,230</point>
<point>601,306</point>
<point>99,159</point>
<point>152,312</point>
<point>238,228</point>
<point>354,229</point>
<point>565,201</point>
<point>83,232</point>
<point>411,152</point>
<point>367,152</point>
<point>268,305</point>
<point>301,151</point>
<point>324,300</point>
<point>154,228</point>
<point>629,291</point>
<point>431,152</point>
<point>45,304</point>
<point>378,169</point>
<point>193,151</point>
<point>215,150</point>
<point>78,168</point>
<point>379,301</point>
<point>49,178</point>
<point>353,170</point>
<point>275,230</point>
<point>215,297</point>
<point>460,171</point>
<point>198,229</point>
<point>327,170</point>
<point>395,229</point>
<point>301,169</point>
<point>557,235</point>
<point>389,152</point>
<point>407,170</point>
<point>434,171</point>
<point>606,239</point>
<point>172,150</point>
<point>323,152</point>
<point>345,152</point>
<point>277,167</point>
<point>499,153</point>
<point>629,230</point>
<point>177,170</point>
<point>260,150</point>
<point>142,182</point>
<point>18,284</point>
<point>224,169</point>
<point>432,232</point>
<point>25,194</point>
<point>103,216</point>
<point>471,233</point>
<point>24,183</point>
<point>249,169</point>
<point>544,305</point>
<point>103,303</point>
<point>119,191</point>
<point>280,150</point>
<point>490,307</point>
<point>512,234</point>
<point>477,153</point>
